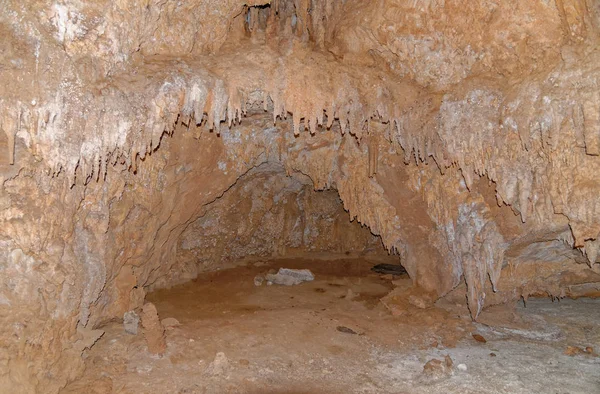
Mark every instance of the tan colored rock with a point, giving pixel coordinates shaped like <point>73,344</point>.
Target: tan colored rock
<point>154,331</point>
<point>438,369</point>
<point>219,366</point>
<point>170,322</point>
<point>464,134</point>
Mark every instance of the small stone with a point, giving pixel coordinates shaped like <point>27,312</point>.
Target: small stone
<point>573,351</point>
<point>131,321</point>
<point>258,280</point>
<point>479,338</point>
<point>462,367</point>
<point>170,322</point>
<point>492,354</point>
<point>435,368</point>
<point>420,302</point>
<point>448,361</point>
<point>219,366</point>
<point>244,362</point>
<point>346,330</point>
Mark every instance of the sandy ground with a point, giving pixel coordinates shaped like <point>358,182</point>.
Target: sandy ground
<point>333,335</point>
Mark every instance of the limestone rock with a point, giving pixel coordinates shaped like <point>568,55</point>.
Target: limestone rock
<point>154,332</point>
<point>88,338</point>
<point>170,322</point>
<point>259,280</point>
<point>438,369</point>
<point>470,151</point>
<point>219,366</point>
<point>131,322</point>
<point>290,277</point>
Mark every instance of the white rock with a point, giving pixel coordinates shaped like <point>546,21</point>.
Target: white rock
<point>290,277</point>
<point>219,366</point>
<point>462,367</point>
<point>131,320</point>
<point>258,280</point>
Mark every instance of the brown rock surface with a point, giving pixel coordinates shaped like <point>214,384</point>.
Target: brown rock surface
<point>154,332</point>
<point>464,134</point>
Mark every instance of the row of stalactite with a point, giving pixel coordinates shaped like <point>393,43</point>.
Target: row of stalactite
<point>463,132</point>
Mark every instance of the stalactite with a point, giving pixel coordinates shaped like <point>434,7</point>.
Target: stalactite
<point>591,126</point>
<point>9,126</point>
<point>513,135</point>
<point>373,149</point>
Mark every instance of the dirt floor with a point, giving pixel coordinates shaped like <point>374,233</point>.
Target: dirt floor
<point>333,335</point>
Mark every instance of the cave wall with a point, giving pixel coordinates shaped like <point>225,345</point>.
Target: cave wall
<point>267,214</point>
<point>461,132</point>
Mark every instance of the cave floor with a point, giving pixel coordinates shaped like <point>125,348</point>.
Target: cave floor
<point>333,335</point>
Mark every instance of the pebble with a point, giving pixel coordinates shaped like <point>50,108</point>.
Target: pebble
<point>258,280</point>
<point>462,367</point>
<point>170,322</point>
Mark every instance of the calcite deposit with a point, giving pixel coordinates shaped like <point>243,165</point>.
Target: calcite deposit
<point>464,134</point>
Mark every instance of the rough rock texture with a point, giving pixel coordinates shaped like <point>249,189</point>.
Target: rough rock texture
<point>154,332</point>
<point>131,321</point>
<point>465,133</point>
<point>268,214</point>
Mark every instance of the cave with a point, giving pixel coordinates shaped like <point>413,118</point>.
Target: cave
<point>299,196</point>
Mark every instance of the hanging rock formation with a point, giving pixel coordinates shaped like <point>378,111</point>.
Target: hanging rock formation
<point>466,134</point>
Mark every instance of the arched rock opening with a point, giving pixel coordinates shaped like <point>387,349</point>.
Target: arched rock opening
<point>267,214</point>
<point>464,134</point>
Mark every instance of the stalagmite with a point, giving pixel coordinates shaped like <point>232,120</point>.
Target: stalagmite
<point>154,332</point>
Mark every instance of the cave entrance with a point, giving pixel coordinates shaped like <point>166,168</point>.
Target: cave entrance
<point>214,325</point>
<point>267,215</point>
<point>233,316</point>
<point>270,220</point>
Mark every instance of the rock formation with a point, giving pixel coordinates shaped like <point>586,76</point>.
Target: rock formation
<point>464,133</point>
<point>154,332</point>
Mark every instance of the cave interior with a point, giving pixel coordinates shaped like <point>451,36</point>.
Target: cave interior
<point>299,196</point>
